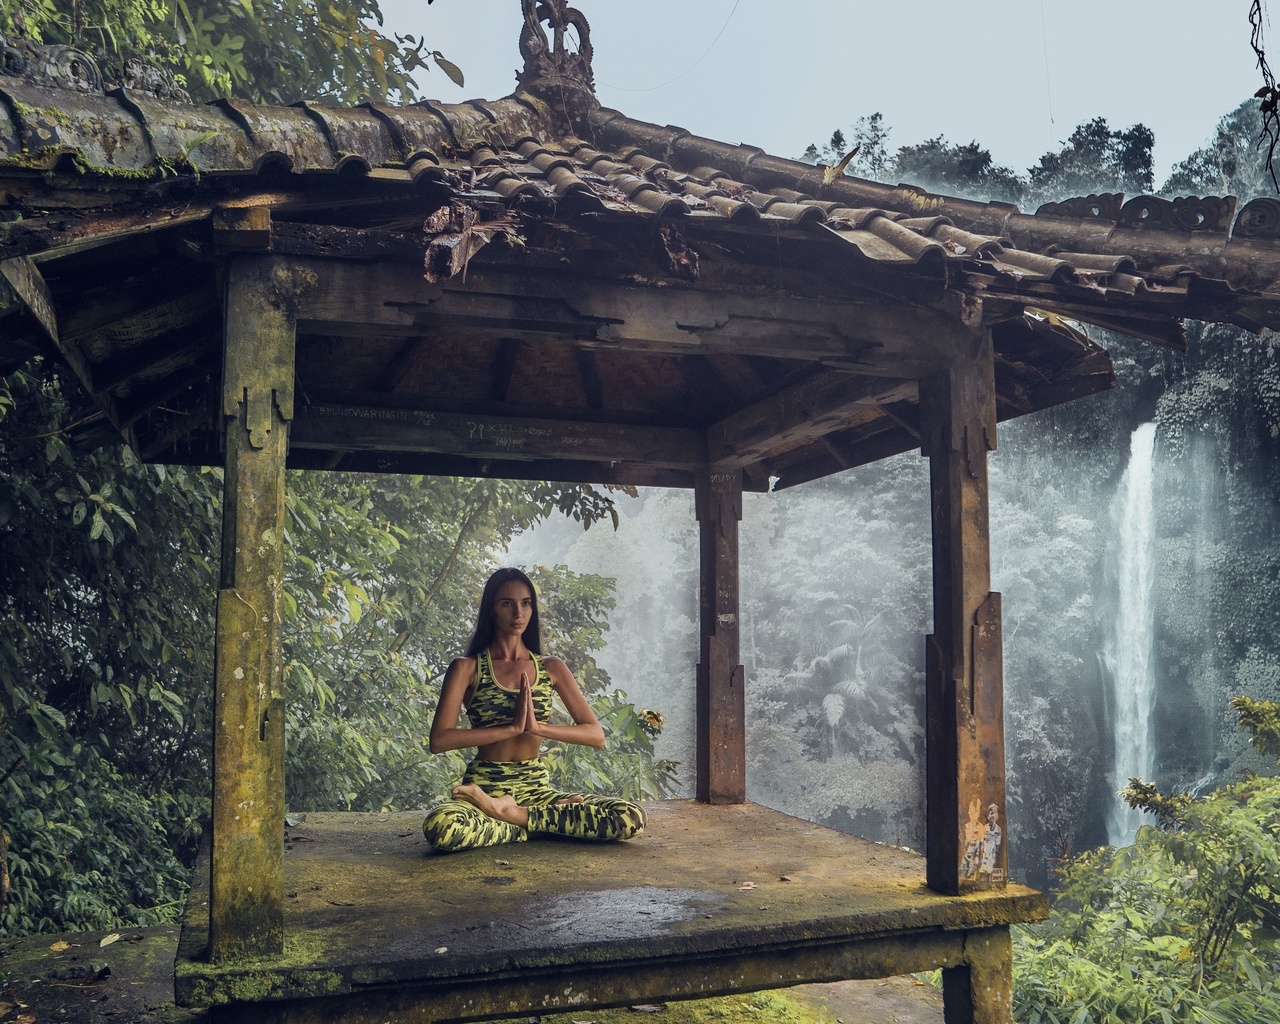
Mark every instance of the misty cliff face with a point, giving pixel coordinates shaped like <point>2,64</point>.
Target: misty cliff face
<point>835,605</point>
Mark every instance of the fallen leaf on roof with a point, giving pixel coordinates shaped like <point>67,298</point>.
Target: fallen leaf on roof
<point>58,947</point>
<point>442,949</point>
<point>830,174</point>
<point>745,886</point>
<point>106,940</point>
<point>342,903</point>
<point>784,878</point>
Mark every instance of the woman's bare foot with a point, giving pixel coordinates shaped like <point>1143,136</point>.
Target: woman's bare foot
<point>504,808</point>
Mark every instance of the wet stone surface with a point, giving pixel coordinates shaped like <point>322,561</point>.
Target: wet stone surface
<point>369,904</point>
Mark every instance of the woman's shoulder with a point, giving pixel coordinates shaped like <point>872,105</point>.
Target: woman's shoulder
<point>553,666</point>
<point>465,666</point>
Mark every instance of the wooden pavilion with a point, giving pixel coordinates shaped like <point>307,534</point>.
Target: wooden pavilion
<point>538,287</point>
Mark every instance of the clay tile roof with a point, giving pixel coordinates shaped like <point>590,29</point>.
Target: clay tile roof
<point>684,280</point>
<point>522,150</point>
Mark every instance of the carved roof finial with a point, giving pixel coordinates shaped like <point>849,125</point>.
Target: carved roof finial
<point>553,59</point>
<point>67,67</point>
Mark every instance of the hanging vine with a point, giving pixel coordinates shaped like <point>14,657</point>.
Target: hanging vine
<point>1269,95</point>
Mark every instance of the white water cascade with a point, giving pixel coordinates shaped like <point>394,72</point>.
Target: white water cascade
<point>1129,648</point>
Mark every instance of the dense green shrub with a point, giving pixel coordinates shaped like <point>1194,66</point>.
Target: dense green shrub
<point>1183,927</point>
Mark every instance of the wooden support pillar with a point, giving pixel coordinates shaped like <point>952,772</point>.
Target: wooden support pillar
<point>246,902</point>
<point>966,829</point>
<point>981,992</point>
<point>721,726</point>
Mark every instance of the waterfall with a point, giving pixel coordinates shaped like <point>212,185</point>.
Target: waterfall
<point>1129,652</point>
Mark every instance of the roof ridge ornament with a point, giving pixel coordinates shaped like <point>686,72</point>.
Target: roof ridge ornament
<point>68,67</point>
<point>553,60</point>
<point>65,67</point>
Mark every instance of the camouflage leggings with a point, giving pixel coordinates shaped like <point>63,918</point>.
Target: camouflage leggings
<point>458,825</point>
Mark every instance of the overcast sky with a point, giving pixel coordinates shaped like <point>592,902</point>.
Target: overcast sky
<point>1015,75</point>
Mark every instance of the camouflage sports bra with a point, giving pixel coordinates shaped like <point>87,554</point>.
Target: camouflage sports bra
<point>493,704</point>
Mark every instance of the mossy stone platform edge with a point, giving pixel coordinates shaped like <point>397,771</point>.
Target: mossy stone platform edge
<point>374,917</point>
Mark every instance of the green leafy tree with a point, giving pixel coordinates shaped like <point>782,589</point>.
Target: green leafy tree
<point>1181,927</point>
<point>1231,163</point>
<point>954,169</point>
<point>1096,158</point>
<point>266,51</point>
<point>104,659</point>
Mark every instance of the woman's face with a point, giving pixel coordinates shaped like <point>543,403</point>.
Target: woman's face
<point>512,608</point>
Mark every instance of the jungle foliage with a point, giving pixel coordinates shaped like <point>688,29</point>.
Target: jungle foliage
<point>110,568</point>
<point>1181,927</point>
<point>265,51</point>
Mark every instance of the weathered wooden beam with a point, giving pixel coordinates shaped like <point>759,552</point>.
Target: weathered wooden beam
<point>23,278</point>
<point>965,775</point>
<point>565,470</point>
<point>246,904</point>
<point>163,392</point>
<point>119,330</point>
<point>57,235</point>
<point>720,737</point>
<point>359,428</point>
<point>835,452</point>
<point>242,229</point>
<point>799,414</point>
<point>860,446</point>
<point>884,339</point>
<point>164,356</point>
<point>25,281</point>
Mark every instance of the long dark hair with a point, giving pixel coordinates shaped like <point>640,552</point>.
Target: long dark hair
<point>483,636</point>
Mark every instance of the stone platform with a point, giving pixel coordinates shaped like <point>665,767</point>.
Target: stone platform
<point>711,900</point>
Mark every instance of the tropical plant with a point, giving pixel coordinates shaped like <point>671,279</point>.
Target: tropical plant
<point>266,51</point>
<point>1180,928</point>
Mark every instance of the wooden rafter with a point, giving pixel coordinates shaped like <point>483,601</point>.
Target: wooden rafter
<point>799,414</point>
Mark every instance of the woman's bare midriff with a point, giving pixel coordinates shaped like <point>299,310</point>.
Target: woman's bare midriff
<point>518,748</point>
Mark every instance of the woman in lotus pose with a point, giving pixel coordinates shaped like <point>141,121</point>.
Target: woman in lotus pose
<point>506,687</point>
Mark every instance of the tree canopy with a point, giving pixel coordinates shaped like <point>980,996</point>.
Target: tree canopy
<point>266,51</point>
